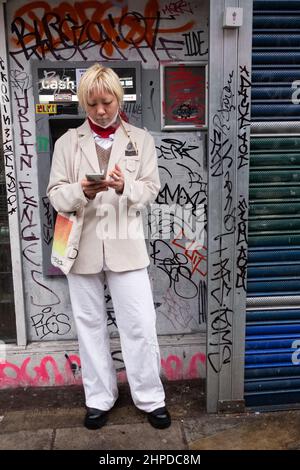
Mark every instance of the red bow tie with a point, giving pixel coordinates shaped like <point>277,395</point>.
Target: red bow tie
<point>104,133</point>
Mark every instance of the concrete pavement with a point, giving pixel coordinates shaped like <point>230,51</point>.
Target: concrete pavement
<point>51,418</point>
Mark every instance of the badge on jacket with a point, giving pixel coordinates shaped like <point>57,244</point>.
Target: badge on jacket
<point>130,150</point>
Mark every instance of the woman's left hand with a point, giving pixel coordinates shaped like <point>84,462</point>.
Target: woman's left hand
<point>117,179</point>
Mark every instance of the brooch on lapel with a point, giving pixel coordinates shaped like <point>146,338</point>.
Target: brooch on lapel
<point>131,150</point>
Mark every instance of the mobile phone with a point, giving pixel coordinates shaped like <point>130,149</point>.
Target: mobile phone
<point>95,177</point>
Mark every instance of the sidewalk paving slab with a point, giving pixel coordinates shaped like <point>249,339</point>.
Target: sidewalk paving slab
<point>137,436</point>
<point>52,418</point>
<point>27,440</point>
<point>250,431</point>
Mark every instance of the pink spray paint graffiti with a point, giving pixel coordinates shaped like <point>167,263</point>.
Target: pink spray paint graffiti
<point>47,372</point>
<point>174,369</point>
<point>52,371</point>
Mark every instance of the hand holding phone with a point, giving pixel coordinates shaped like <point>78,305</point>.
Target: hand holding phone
<point>95,177</point>
<point>93,184</point>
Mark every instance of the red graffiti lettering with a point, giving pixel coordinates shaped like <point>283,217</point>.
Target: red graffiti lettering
<point>195,252</point>
<point>39,28</point>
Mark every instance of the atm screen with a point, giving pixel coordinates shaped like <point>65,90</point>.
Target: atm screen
<point>59,126</point>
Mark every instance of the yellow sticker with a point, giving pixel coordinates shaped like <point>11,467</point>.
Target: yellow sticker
<point>46,108</point>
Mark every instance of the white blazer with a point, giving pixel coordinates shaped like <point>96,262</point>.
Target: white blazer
<point>119,218</point>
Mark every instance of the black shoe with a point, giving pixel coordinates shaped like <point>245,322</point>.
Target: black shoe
<point>159,418</point>
<point>95,419</point>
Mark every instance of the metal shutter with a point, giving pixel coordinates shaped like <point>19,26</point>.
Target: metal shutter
<point>272,363</point>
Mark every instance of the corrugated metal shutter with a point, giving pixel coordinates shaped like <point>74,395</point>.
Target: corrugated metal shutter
<point>272,369</point>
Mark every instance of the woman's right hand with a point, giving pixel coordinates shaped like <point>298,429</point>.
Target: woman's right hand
<point>91,188</point>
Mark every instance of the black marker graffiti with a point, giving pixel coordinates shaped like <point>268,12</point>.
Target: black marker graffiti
<point>222,147</point>
<point>221,155</point>
<point>48,322</point>
<point>229,209</point>
<point>174,149</point>
<point>202,302</point>
<point>118,359</point>
<point>22,105</point>
<point>195,45</point>
<point>19,80</point>
<point>151,100</point>
<point>8,152</point>
<point>177,8</point>
<point>55,300</point>
<point>75,368</point>
<point>48,223</point>
<point>242,244</point>
<point>244,117</point>
<point>176,267</point>
<point>221,329</point>
<point>180,211</point>
<point>181,197</point>
<point>243,168</point>
<point>221,277</point>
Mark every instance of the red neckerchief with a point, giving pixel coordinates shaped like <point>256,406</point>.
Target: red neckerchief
<point>104,133</point>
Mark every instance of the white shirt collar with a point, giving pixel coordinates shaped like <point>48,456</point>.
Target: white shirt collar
<point>106,142</point>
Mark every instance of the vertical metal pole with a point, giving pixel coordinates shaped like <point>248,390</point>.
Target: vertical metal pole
<point>11,185</point>
<point>228,150</point>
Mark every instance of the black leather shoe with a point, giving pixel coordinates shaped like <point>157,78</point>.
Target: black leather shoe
<point>95,419</point>
<point>159,418</point>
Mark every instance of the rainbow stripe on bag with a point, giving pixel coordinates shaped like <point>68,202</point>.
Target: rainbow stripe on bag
<point>63,227</point>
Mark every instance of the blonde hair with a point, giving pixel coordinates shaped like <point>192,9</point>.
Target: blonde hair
<point>99,78</point>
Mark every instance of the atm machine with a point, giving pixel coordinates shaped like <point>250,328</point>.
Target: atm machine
<point>57,110</point>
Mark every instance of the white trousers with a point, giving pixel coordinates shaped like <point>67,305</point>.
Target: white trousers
<point>135,316</point>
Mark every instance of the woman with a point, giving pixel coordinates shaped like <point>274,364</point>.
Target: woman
<point>99,238</point>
